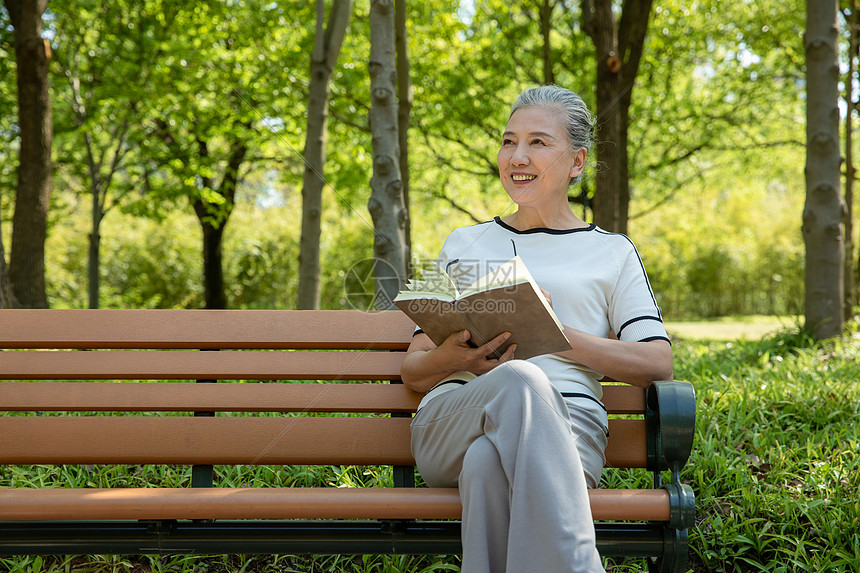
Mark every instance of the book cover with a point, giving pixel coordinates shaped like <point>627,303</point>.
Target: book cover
<point>505,300</point>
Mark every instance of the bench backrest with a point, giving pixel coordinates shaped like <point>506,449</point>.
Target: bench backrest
<point>154,353</point>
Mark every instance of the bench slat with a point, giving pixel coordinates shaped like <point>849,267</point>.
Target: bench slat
<point>261,329</point>
<point>239,440</point>
<point>623,399</point>
<point>287,503</point>
<point>190,397</point>
<point>187,440</point>
<point>188,365</point>
<point>230,397</point>
<point>626,447</point>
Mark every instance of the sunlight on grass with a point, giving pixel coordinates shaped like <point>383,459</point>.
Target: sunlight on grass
<point>730,328</point>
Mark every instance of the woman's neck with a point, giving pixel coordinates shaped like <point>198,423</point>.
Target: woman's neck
<point>523,219</point>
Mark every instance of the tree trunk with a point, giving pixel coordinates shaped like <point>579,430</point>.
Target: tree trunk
<point>99,185</point>
<point>96,215</point>
<point>545,12</point>
<point>7,298</point>
<point>323,60</point>
<point>213,268</point>
<point>852,20</point>
<point>29,222</point>
<point>94,258</point>
<point>824,211</point>
<point>618,44</point>
<point>386,203</point>
<point>404,112</point>
<point>213,219</point>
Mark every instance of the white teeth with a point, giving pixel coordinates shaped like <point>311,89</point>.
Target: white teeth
<point>523,177</point>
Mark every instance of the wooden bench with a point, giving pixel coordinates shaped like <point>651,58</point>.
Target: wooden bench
<point>90,387</point>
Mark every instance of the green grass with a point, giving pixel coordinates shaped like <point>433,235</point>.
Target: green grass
<point>775,466</point>
<point>775,469</point>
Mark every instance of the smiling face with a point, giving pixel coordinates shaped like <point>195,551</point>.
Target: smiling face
<point>535,160</point>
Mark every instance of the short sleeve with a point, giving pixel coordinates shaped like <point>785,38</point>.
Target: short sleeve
<point>633,311</point>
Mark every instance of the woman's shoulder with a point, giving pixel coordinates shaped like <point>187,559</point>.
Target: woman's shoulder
<point>616,240</point>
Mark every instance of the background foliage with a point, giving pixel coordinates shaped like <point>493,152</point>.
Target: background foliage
<point>716,151</point>
<point>717,181</point>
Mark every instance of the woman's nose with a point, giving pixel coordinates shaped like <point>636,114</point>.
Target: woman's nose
<point>520,156</point>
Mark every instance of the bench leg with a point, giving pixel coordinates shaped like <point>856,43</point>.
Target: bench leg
<point>675,548</point>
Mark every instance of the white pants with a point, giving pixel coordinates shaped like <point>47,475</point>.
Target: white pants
<point>506,440</point>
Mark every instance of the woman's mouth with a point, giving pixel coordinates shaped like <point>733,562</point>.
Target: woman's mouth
<point>523,178</point>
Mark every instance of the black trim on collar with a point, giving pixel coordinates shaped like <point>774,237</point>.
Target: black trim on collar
<point>507,227</point>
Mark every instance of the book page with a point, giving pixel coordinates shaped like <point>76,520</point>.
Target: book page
<point>434,284</point>
<point>507,274</point>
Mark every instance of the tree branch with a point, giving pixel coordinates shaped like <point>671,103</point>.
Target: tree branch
<point>492,168</point>
<point>439,194</point>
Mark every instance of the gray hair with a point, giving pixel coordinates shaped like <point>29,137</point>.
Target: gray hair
<point>578,121</point>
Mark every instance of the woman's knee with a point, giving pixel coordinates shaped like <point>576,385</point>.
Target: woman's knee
<point>523,376</point>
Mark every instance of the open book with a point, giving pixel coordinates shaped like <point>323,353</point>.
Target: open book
<point>505,300</point>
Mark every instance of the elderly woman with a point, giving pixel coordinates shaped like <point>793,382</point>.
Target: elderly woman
<point>524,439</point>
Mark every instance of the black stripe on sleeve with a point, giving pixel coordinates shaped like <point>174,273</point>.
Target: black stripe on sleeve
<point>650,338</point>
<point>634,320</point>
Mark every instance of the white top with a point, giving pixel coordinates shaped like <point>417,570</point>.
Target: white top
<point>595,278</point>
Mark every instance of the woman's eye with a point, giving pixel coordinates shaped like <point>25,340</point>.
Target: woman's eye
<point>537,142</point>
<point>507,142</point>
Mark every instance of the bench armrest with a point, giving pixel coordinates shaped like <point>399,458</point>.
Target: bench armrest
<point>670,416</point>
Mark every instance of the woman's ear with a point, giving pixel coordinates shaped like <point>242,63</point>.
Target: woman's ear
<point>578,162</point>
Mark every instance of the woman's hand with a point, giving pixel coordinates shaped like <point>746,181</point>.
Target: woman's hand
<point>426,364</point>
<point>457,352</point>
